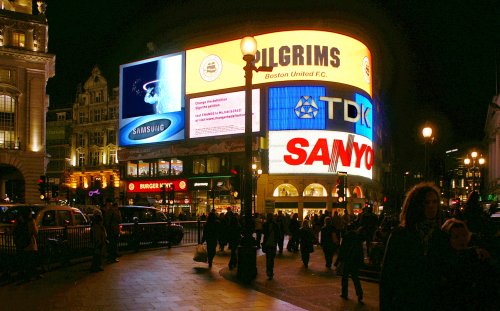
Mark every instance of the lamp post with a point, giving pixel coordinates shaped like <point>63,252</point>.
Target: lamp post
<point>247,251</point>
<point>427,134</point>
<point>256,174</point>
<point>472,162</point>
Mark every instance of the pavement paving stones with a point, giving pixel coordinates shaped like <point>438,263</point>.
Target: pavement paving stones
<point>168,279</point>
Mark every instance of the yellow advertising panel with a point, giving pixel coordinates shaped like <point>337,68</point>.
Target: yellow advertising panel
<point>300,55</point>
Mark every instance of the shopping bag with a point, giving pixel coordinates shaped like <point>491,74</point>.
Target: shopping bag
<point>200,254</point>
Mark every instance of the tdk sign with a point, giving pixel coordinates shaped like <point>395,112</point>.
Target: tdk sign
<point>319,108</point>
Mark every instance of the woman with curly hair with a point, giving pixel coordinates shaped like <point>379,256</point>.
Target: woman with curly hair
<point>411,268</point>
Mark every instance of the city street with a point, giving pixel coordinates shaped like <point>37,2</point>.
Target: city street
<point>168,279</point>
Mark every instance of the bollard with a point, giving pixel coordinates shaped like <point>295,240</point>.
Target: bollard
<point>199,230</point>
<point>135,235</point>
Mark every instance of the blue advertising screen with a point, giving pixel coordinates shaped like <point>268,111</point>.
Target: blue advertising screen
<point>152,106</point>
<point>296,108</point>
<point>339,108</point>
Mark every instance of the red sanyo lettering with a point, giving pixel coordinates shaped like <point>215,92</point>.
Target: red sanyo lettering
<point>321,153</point>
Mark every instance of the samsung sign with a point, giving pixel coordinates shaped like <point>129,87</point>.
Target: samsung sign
<point>152,100</point>
<point>319,108</point>
<point>320,152</point>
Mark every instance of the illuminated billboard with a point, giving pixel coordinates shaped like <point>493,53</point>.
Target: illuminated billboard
<point>152,100</point>
<point>298,55</point>
<point>320,152</point>
<point>222,114</point>
<point>156,185</point>
<point>319,108</point>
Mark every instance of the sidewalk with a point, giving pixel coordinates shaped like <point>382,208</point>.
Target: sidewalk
<point>168,279</point>
<point>315,288</point>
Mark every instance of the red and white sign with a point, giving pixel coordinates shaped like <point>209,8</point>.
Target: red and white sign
<point>320,152</point>
<point>155,185</point>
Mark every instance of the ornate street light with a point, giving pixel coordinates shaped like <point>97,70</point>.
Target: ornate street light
<point>256,174</point>
<point>427,134</point>
<point>473,163</point>
<point>247,251</point>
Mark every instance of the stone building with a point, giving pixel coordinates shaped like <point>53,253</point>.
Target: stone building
<point>25,67</point>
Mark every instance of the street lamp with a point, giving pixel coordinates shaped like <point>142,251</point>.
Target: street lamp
<point>247,251</point>
<point>256,174</point>
<point>472,162</point>
<point>427,134</point>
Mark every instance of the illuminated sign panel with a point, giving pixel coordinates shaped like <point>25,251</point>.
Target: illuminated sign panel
<point>320,108</point>
<point>320,152</point>
<point>152,100</point>
<point>222,114</point>
<point>300,55</point>
<point>155,185</point>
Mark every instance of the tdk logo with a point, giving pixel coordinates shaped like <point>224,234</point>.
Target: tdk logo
<point>306,108</point>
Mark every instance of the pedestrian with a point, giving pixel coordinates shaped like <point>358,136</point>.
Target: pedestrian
<point>294,227</point>
<point>469,278</point>
<point>271,232</point>
<point>338,223</point>
<point>25,235</point>
<point>329,241</point>
<point>478,222</point>
<point>112,220</point>
<point>210,235</point>
<point>280,220</point>
<point>223,230</point>
<point>410,274</point>
<point>233,230</point>
<point>259,221</point>
<point>368,223</point>
<point>350,260</point>
<point>99,240</point>
<point>306,236</point>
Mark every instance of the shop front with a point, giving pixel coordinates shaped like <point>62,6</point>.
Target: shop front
<point>212,193</point>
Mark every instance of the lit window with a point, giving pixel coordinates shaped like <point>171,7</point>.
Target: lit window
<point>7,121</point>
<point>18,39</point>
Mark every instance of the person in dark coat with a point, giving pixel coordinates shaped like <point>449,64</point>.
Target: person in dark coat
<point>280,221</point>
<point>349,260</point>
<point>306,235</point>
<point>99,240</point>
<point>233,231</point>
<point>211,235</point>
<point>294,228</point>
<point>112,220</point>
<point>329,241</point>
<point>271,232</point>
<point>413,259</point>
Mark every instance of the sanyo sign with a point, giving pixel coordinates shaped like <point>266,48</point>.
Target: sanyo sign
<point>320,152</point>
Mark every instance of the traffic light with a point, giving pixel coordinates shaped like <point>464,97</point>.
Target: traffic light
<point>341,186</point>
<point>164,194</point>
<point>42,185</point>
<point>55,191</point>
<point>171,194</point>
<point>236,181</point>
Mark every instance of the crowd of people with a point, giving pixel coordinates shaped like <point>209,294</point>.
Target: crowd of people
<point>429,259</point>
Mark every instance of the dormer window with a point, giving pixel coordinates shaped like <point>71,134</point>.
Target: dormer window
<point>18,39</point>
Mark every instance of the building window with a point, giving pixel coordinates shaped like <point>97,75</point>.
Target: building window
<point>132,169</point>
<point>97,115</point>
<point>18,39</point>
<point>112,113</point>
<point>81,159</point>
<point>163,168</point>
<point>80,140</point>
<point>7,75</point>
<point>98,96</point>
<point>143,169</point>
<point>94,158</point>
<point>7,121</point>
<point>199,166</point>
<point>176,167</point>
<point>82,117</point>
<point>113,157</point>
<point>61,116</point>
<point>213,165</point>
<point>111,139</point>
<point>97,138</point>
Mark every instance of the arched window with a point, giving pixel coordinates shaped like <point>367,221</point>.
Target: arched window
<point>358,192</point>
<point>315,190</point>
<point>285,190</point>
<point>7,121</point>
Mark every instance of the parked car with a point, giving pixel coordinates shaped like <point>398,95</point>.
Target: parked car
<point>155,226</point>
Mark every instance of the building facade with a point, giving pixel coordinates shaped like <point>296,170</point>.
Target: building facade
<point>317,126</point>
<point>93,174</point>
<point>25,67</point>
<point>492,130</point>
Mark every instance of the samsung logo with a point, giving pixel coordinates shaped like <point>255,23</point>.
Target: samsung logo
<point>149,129</point>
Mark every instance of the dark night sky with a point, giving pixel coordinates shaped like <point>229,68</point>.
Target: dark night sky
<point>444,51</point>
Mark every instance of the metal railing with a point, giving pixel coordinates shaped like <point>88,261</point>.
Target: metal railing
<point>78,243</point>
